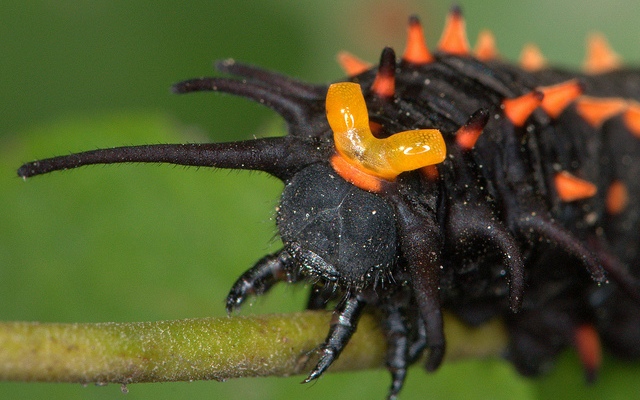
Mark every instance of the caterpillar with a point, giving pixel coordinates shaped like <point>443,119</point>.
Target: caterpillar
<point>529,213</point>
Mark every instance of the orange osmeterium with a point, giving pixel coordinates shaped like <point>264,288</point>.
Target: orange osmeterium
<point>351,64</point>
<point>558,97</point>
<point>416,51</point>
<point>454,36</point>
<point>383,158</point>
<point>518,109</point>
<point>571,188</point>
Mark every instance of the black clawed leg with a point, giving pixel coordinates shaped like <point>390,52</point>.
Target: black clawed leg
<point>398,358</point>
<point>398,376</point>
<point>343,325</point>
<point>420,342</point>
<point>320,295</point>
<point>260,278</point>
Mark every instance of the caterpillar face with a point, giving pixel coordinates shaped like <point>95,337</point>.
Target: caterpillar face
<point>443,180</point>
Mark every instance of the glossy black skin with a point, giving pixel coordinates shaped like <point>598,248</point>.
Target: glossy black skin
<point>488,238</point>
<point>336,231</point>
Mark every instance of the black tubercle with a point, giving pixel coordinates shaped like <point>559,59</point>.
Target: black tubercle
<point>280,157</point>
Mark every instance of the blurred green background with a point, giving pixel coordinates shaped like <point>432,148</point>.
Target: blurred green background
<point>136,242</point>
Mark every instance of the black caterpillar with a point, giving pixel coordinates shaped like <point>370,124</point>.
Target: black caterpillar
<point>530,214</point>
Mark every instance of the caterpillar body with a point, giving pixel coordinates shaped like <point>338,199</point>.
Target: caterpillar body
<point>446,180</point>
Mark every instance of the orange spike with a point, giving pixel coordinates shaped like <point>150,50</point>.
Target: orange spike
<point>587,342</point>
<point>631,118</point>
<point>416,51</point>
<point>597,110</point>
<point>384,84</point>
<point>486,48</point>
<point>600,56</point>
<point>454,36</point>
<point>517,110</point>
<point>531,58</point>
<point>430,172</point>
<point>467,135</point>
<point>617,198</point>
<point>571,188</point>
<point>558,97</point>
<point>351,64</point>
<point>466,138</point>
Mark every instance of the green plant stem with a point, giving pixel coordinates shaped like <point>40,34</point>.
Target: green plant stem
<point>202,349</point>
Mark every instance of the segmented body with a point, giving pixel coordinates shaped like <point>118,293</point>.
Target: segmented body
<point>515,169</point>
<point>532,216</point>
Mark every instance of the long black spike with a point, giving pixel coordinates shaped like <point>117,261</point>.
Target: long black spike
<point>289,107</point>
<point>271,155</point>
<point>616,269</point>
<point>272,79</point>
<point>471,223</point>
<point>547,228</point>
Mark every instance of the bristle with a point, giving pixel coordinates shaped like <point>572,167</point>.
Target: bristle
<point>351,64</point>
<point>597,110</point>
<point>517,110</point>
<point>617,198</point>
<point>454,36</point>
<point>531,58</point>
<point>486,48</point>
<point>571,188</point>
<point>416,51</point>
<point>587,342</point>
<point>600,56</point>
<point>558,97</point>
<point>384,84</point>
<point>467,135</point>
<point>631,118</point>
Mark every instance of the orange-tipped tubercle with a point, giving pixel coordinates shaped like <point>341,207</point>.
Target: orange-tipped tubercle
<point>454,36</point>
<point>416,51</point>
<point>384,158</point>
